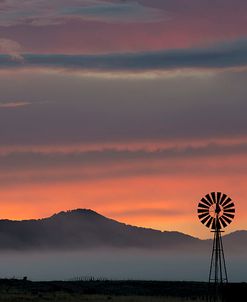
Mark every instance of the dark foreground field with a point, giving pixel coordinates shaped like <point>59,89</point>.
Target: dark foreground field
<point>115,291</point>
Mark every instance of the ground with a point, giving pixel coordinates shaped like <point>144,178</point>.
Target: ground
<point>115,291</point>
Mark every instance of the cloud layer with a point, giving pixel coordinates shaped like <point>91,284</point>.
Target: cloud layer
<point>44,13</point>
<point>75,27</point>
<point>231,54</point>
<point>74,111</point>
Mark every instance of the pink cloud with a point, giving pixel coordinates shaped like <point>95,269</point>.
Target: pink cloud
<point>190,24</point>
<point>14,104</point>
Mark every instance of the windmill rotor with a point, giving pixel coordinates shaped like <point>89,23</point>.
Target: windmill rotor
<point>216,210</point>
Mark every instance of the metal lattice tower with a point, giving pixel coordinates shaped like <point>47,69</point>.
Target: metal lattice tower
<point>216,211</point>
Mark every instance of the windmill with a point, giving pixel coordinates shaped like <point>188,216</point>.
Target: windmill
<point>216,211</point>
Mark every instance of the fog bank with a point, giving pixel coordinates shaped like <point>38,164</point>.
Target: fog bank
<point>116,264</point>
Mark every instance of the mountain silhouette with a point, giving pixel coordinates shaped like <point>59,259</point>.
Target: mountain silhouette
<point>83,228</point>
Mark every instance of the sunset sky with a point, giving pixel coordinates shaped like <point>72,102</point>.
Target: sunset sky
<point>133,108</point>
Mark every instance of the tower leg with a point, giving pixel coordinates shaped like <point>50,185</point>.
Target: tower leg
<point>218,272</point>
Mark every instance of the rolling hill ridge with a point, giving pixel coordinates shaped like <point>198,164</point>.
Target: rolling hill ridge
<point>83,229</point>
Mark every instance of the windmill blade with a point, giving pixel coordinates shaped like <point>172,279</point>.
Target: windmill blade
<point>228,215</point>
<point>223,198</point>
<point>208,197</point>
<point>218,197</point>
<point>208,224</point>
<point>202,211</point>
<point>203,200</point>
<point>213,196</point>
<point>204,220</point>
<point>223,222</point>
<point>202,215</point>
<point>231,205</point>
<point>214,224</point>
<point>229,211</point>
<point>228,200</point>
<point>226,219</point>
<point>202,205</point>
<point>218,225</point>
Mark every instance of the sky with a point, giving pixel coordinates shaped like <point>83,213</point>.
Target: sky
<point>135,109</point>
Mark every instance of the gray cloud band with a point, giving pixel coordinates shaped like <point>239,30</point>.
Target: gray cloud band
<point>27,168</point>
<point>225,55</point>
<point>15,161</point>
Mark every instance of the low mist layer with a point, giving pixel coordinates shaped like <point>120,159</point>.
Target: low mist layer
<point>116,264</point>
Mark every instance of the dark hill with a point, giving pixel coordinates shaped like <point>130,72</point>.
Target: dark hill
<point>84,229</point>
